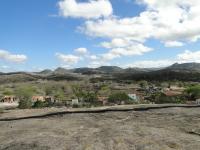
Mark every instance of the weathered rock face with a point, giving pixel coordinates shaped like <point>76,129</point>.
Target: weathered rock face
<point>159,129</point>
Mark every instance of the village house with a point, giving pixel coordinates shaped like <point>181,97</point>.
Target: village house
<point>103,100</point>
<point>172,93</point>
<point>134,97</point>
<point>71,102</point>
<point>50,99</point>
<point>75,102</point>
<point>176,88</point>
<point>9,99</point>
<point>38,98</point>
<point>42,99</point>
<point>198,101</point>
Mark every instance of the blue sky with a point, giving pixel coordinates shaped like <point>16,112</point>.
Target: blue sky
<point>37,34</point>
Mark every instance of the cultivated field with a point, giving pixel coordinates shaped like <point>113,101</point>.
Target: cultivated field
<point>154,129</point>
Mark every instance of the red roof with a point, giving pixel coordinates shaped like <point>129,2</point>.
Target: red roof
<point>172,93</point>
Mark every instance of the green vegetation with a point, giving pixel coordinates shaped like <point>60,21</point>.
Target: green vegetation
<point>160,98</point>
<point>143,84</point>
<point>25,93</point>
<point>78,92</point>
<point>25,103</point>
<point>90,97</point>
<point>1,110</point>
<point>193,92</point>
<point>7,92</point>
<point>39,104</point>
<point>89,94</point>
<point>119,97</point>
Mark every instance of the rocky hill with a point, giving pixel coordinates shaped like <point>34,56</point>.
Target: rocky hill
<point>194,67</point>
<point>184,72</point>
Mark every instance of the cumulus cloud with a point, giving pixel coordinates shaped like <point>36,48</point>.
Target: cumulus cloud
<point>81,51</point>
<point>174,23</point>
<point>69,59</point>
<point>91,9</point>
<point>93,57</point>
<point>189,56</point>
<point>118,28</point>
<point>152,63</point>
<point>117,42</point>
<point>131,50</point>
<point>185,57</point>
<point>173,44</point>
<point>17,58</point>
<point>98,63</point>
<point>176,20</point>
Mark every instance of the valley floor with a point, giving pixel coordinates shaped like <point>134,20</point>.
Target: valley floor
<point>166,128</point>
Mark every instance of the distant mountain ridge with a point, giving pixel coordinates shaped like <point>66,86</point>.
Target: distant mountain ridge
<point>194,67</point>
<point>185,71</point>
<point>185,67</point>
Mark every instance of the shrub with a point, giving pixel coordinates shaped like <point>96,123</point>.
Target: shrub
<point>163,99</point>
<point>39,104</point>
<point>1,110</point>
<point>193,92</point>
<point>25,93</point>
<point>75,106</point>
<point>25,104</point>
<point>119,97</point>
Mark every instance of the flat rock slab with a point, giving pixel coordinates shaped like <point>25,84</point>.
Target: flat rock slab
<point>168,128</point>
<point>18,114</point>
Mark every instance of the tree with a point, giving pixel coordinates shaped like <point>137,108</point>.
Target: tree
<point>25,103</point>
<point>143,84</point>
<point>119,97</point>
<point>59,95</point>
<point>25,93</point>
<point>48,90</point>
<point>39,104</point>
<point>90,97</point>
<point>7,92</point>
<point>193,92</point>
<point>78,92</point>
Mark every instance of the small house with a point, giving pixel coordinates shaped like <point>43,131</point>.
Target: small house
<point>172,93</point>
<point>75,102</point>
<point>133,97</point>
<point>198,101</point>
<point>49,99</point>
<point>9,99</point>
<point>38,98</point>
<point>42,99</point>
<point>103,100</point>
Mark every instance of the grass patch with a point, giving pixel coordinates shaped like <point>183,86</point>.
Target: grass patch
<point>1,110</point>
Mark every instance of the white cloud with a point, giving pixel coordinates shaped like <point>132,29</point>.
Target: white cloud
<point>175,20</point>
<point>114,28</point>
<point>116,43</point>
<point>93,57</point>
<point>91,9</point>
<point>17,58</point>
<point>132,50</point>
<point>95,64</point>
<point>151,63</point>
<point>81,51</point>
<point>189,56</point>
<point>173,44</point>
<point>185,57</point>
<point>69,59</point>
<point>4,67</point>
<point>174,23</point>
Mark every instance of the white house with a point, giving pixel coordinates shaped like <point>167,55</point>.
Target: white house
<point>198,101</point>
<point>133,97</point>
<point>74,101</point>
